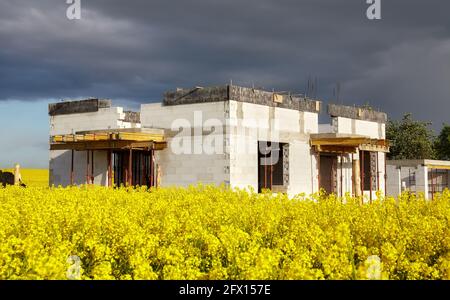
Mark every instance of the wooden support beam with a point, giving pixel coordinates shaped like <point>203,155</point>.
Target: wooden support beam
<point>335,149</point>
<point>356,177</point>
<point>337,141</point>
<point>104,145</point>
<point>92,167</point>
<point>385,174</point>
<point>341,157</point>
<point>109,161</point>
<point>152,168</point>
<point>440,167</point>
<point>108,136</point>
<point>370,176</point>
<point>142,178</point>
<point>318,171</point>
<point>378,174</point>
<point>363,175</point>
<point>71,167</point>
<point>130,167</point>
<point>87,167</point>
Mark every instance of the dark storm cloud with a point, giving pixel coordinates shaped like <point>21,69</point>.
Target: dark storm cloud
<point>135,50</point>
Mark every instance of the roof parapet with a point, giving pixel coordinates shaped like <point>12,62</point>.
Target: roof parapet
<point>358,113</point>
<point>241,94</point>
<point>77,106</point>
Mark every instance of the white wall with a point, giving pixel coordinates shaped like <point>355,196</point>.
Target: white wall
<point>155,115</point>
<point>104,118</point>
<point>194,165</point>
<point>264,123</point>
<point>398,174</point>
<point>60,163</point>
<point>373,130</point>
<point>246,124</point>
<point>394,180</point>
<point>302,169</point>
<point>422,180</point>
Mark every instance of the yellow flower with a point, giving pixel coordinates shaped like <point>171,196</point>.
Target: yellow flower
<point>208,232</point>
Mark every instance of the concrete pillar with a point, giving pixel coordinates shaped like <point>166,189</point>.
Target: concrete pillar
<point>17,176</point>
<point>426,190</point>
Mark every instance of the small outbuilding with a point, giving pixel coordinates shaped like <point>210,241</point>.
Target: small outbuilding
<point>418,176</point>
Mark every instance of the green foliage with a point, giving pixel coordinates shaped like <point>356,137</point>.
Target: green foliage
<point>410,139</point>
<point>442,144</point>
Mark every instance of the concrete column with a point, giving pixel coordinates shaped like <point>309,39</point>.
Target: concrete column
<point>17,176</point>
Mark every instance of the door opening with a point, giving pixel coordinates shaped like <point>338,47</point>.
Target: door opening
<point>134,168</point>
<point>328,173</point>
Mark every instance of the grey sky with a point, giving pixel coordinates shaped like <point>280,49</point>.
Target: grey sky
<point>132,51</point>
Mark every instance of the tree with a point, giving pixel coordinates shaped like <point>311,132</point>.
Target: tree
<point>442,145</point>
<point>410,139</point>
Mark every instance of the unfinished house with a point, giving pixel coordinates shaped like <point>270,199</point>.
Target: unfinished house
<point>418,176</point>
<point>242,137</point>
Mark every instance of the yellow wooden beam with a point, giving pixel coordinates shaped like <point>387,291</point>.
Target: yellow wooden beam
<point>108,145</point>
<point>126,136</point>
<point>339,141</point>
<point>335,149</point>
<point>441,167</point>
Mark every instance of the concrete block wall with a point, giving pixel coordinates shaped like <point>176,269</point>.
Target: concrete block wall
<point>264,117</point>
<point>243,160</point>
<point>374,130</point>
<point>187,169</point>
<point>195,165</point>
<point>400,170</point>
<point>157,115</point>
<point>399,174</point>
<point>104,118</point>
<point>404,182</point>
<point>250,123</point>
<point>245,124</point>
<point>60,161</point>
<point>302,169</point>
<point>422,180</point>
<point>394,180</point>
